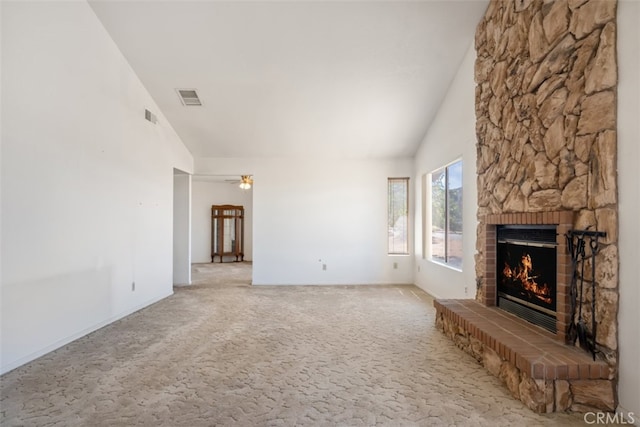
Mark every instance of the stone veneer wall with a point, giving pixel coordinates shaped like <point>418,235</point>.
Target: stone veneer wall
<point>546,79</point>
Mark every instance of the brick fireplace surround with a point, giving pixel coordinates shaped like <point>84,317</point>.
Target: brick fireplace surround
<point>563,220</point>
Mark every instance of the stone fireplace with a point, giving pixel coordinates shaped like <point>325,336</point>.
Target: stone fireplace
<point>546,88</point>
<point>546,139</point>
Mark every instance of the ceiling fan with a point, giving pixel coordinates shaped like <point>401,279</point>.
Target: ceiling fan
<point>245,181</point>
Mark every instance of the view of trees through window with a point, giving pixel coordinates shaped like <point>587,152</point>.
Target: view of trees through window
<point>446,215</point>
<point>398,205</point>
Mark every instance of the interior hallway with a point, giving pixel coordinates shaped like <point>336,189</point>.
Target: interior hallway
<point>221,352</point>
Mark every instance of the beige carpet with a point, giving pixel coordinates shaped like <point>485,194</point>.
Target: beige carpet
<point>222,352</point>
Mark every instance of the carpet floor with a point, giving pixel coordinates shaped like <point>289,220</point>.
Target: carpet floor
<point>224,353</point>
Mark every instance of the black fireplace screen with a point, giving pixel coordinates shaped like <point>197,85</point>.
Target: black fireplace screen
<point>526,272</point>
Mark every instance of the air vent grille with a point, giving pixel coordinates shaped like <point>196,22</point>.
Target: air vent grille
<point>189,97</point>
<point>150,116</point>
<point>527,233</point>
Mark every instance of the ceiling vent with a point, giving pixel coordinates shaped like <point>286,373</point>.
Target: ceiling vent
<point>189,97</point>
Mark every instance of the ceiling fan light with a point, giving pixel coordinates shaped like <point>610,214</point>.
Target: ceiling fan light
<point>245,182</point>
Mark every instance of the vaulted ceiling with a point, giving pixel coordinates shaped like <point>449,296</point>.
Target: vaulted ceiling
<point>355,79</point>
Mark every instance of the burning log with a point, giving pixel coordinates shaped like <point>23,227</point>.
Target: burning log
<point>522,275</point>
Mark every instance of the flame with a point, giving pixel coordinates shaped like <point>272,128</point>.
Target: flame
<point>522,274</point>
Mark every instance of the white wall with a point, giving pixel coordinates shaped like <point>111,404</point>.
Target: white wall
<point>207,193</point>
<point>87,183</point>
<point>629,206</point>
<point>310,212</point>
<point>181,228</point>
<point>450,136</point>
<point>1,137</point>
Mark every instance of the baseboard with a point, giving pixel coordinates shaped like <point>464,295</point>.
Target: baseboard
<point>334,284</point>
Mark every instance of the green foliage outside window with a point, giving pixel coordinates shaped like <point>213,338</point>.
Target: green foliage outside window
<point>398,215</point>
<point>446,215</point>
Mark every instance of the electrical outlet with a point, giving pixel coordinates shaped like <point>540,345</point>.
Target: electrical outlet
<point>324,267</point>
<point>466,290</point>
<point>133,286</point>
<point>395,265</point>
<point>418,269</point>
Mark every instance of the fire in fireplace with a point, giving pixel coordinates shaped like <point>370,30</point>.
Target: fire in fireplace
<point>526,272</point>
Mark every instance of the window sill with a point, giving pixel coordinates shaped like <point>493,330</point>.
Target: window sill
<point>458,269</point>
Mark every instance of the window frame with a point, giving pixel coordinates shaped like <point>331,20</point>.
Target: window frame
<point>447,216</point>
<point>406,181</point>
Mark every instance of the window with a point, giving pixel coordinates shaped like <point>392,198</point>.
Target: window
<point>446,215</point>
<point>398,205</point>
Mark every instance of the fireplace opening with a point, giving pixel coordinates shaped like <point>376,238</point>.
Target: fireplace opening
<point>526,272</point>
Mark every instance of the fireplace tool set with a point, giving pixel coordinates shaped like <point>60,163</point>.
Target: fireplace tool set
<point>576,244</point>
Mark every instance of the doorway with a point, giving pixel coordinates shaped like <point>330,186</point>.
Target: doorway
<point>209,190</point>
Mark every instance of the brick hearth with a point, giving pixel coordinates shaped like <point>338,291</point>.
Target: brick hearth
<point>533,350</point>
<point>545,374</point>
